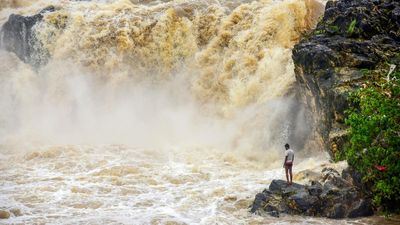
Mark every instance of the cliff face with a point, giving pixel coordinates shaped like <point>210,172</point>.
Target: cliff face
<point>353,36</point>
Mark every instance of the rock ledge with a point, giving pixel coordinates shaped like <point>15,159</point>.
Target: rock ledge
<point>332,197</point>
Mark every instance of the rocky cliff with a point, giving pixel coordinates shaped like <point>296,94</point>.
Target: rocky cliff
<point>354,36</point>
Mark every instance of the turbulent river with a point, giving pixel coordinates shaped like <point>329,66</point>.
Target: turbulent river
<point>152,112</point>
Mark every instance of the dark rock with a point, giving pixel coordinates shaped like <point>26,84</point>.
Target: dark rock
<point>259,202</point>
<point>338,211</point>
<point>272,210</point>
<point>274,213</point>
<point>333,198</point>
<point>302,202</point>
<point>17,35</point>
<point>315,189</point>
<point>353,177</point>
<point>361,208</point>
<point>281,186</point>
<point>352,35</point>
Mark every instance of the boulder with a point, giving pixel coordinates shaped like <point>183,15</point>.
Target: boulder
<point>281,186</point>
<point>332,197</point>
<point>18,36</point>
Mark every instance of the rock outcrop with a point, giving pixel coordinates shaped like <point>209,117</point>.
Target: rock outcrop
<point>353,37</point>
<point>332,196</point>
<point>17,35</point>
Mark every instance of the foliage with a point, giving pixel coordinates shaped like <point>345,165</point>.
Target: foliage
<point>334,28</point>
<point>352,25</point>
<point>317,32</point>
<point>374,134</point>
<point>365,71</point>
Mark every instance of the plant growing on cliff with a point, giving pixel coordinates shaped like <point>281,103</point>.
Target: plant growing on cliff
<point>352,25</point>
<point>374,132</point>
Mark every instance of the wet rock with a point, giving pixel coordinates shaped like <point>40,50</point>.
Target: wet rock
<point>353,177</point>
<point>272,210</point>
<point>361,208</point>
<point>337,211</point>
<point>4,214</point>
<point>18,36</point>
<point>315,189</point>
<point>258,203</point>
<point>352,35</point>
<point>281,186</point>
<point>302,202</point>
<point>331,197</point>
<point>260,200</point>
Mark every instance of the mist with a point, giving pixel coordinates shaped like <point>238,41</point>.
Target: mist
<point>63,103</point>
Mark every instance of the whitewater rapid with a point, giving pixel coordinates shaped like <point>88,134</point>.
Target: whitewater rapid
<point>120,185</point>
<point>152,112</point>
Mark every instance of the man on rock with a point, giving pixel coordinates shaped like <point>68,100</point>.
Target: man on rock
<point>288,163</point>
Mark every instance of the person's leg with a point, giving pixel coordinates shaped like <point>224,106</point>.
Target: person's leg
<point>287,176</point>
<point>291,175</point>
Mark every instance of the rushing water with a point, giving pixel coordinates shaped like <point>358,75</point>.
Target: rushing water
<point>152,112</point>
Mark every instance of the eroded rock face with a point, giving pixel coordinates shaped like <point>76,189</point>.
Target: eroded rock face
<point>17,36</point>
<point>354,35</point>
<point>332,196</point>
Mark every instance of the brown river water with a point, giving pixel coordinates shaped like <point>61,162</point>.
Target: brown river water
<point>153,112</point>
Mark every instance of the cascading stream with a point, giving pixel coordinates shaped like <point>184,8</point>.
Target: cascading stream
<point>158,112</point>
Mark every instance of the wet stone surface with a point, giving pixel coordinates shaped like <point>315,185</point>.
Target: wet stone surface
<point>331,196</point>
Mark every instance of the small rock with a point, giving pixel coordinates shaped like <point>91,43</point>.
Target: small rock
<point>4,214</point>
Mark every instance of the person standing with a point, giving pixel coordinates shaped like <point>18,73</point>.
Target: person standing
<point>288,163</point>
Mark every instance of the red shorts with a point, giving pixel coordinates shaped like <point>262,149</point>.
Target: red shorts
<point>288,165</point>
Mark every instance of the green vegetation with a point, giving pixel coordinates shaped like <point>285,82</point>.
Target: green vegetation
<point>374,134</point>
<point>316,32</point>
<point>352,25</point>
<point>365,72</point>
<point>334,28</point>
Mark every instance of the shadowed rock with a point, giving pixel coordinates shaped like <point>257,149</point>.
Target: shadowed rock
<point>17,35</point>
